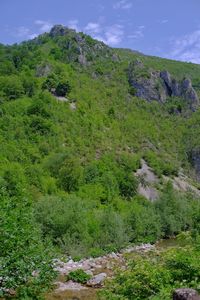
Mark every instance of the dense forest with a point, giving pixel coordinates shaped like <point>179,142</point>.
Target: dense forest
<point>73,132</point>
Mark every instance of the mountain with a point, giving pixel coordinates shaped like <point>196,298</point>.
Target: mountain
<point>89,134</point>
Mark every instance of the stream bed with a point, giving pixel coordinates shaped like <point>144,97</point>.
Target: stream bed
<point>102,265</point>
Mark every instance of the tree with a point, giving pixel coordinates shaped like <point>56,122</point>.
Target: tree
<point>63,88</point>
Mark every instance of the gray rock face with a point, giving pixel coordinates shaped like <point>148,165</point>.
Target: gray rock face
<point>159,86</point>
<point>43,70</point>
<point>186,294</point>
<point>195,161</point>
<point>59,30</point>
<point>97,280</point>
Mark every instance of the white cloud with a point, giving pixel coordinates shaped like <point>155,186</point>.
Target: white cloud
<point>24,33</point>
<point>73,24</point>
<point>138,33</point>
<point>44,26</point>
<point>114,35</point>
<point>187,47</point>
<point>111,35</point>
<point>93,28</point>
<point>122,4</point>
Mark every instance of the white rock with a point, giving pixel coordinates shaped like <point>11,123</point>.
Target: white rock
<point>97,280</point>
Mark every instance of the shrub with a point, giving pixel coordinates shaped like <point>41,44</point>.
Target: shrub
<point>11,86</point>
<point>79,276</point>
<point>70,175</point>
<point>63,88</point>
<point>128,185</point>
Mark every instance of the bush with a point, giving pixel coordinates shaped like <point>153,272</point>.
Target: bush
<point>63,89</point>
<point>128,185</point>
<point>11,86</point>
<point>79,276</point>
<point>22,250</point>
<point>70,175</point>
<point>64,221</point>
<point>156,275</point>
<point>175,211</point>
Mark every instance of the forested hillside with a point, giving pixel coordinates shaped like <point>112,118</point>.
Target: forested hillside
<point>76,118</point>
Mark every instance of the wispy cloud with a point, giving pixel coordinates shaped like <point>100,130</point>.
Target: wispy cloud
<point>23,32</point>
<point>26,33</point>
<point>138,33</point>
<point>44,26</point>
<point>111,35</point>
<point>114,34</point>
<point>93,28</point>
<point>122,4</point>
<point>187,47</point>
<point>164,21</point>
<point>73,24</point>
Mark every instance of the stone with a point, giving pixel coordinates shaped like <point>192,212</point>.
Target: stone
<point>59,30</point>
<point>70,285</point>
<point>159,86</point>
<point>195,161</point>
<point>97,280</point>
<point>185,294</point>
<point>82,59</point>
<point>43,70</point>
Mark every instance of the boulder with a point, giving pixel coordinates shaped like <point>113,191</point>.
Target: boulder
<point>185,294</point>
<point>97,280</point>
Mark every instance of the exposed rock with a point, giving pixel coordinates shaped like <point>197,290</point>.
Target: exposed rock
<point>70,285</point>
<point>73,106</point>
<point>185,294</point>
<point>147,172</point>
<point>149,193</point>
<point>59,30</point>
<point>143,247</point>
<point>147,181</point>
<point>82,59</point>
<point>153,85</point>
<point>195,161</point>
<point>43,70</point>
<point>97,281</point>
<point>115,58</point>
<point>62,99</point>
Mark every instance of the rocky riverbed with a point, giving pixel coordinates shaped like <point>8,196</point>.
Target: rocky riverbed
<point>99,269</point>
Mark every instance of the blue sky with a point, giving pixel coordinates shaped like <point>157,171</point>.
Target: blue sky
<point>157,27</point>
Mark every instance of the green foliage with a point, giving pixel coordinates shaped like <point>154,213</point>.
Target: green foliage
<point>156,275</point>
<point>22,250</point>
<point>78,276</point>
<point>11,86</point>
<point>68,175</point>
<point>63,88</point>
<point>56,83</point>
<point>176,212</point>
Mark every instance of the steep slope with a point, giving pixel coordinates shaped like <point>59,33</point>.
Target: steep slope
<point>73,130</point>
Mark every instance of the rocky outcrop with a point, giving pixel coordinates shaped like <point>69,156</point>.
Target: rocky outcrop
<point>185,294</point>
<point>59,30</point>
<point>79,47</point>
<point>147,182</point>
<point>195,161</point>
<point>154,85</point>
<point>43,70</point>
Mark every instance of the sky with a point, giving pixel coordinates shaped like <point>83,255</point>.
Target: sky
<point>162,28</point>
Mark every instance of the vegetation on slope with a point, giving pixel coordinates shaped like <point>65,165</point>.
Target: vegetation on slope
<point>67,175</point>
